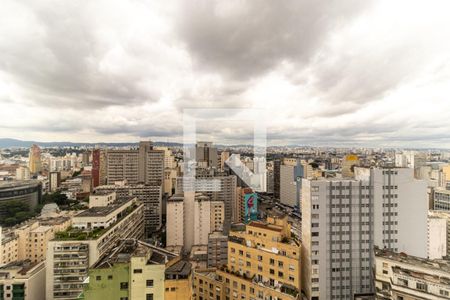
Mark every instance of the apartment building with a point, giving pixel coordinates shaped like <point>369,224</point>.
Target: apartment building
<point>175,221</point>
<point>217,254</point>
<point>95,231</point>
<point>400,276</point>
<point>208,217</point>
<point>263,262</point>
<point>343,219</point>
<point>150,195</point>
<point>29,240</point>
<point>441,199</point>
<point>143,165</point>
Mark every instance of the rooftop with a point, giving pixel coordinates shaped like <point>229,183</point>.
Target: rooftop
<point>21,266</point>
<point>182,268</point>
<point>101,211</point>
<point>441,265</point>
<point>18,184</point>
<point>126,249</point>
<point>80,234</point>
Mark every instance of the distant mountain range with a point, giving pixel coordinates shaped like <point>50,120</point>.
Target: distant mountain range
<point>14,143</point>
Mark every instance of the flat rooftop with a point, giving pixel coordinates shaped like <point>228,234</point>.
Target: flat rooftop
<point>182,268</point>
<point>101,211</point>
<point>432,264</point>
<point>18,184</point>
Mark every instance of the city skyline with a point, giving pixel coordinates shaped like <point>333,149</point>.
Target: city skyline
<point>370,73</point>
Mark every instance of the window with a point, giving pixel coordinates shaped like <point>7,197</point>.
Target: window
<point>149,282</point>
<point>137,271</point>
<point>280,264</point>
<point>149,297</point>
<point>271,271</point>
<point>110,277</point>
<point>315,234</point>
<point>124,285</point>
<point>444,293</point>
<point>123,298</point>
<point>421,286</point>
<point>98,278</point>
<point>272,261</point>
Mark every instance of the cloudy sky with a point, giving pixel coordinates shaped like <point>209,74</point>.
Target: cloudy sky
<point>354,72</point>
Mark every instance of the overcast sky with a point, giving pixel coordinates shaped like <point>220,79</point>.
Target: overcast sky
<point>373,73</point>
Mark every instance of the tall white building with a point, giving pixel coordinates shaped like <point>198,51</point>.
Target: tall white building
<point>191,218</point>
<point>208,217</point>
<point>175,221</point>
<point>343,219</point>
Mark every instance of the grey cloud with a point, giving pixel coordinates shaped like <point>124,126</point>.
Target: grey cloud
<point>57,60</point>
<point>243,39</point>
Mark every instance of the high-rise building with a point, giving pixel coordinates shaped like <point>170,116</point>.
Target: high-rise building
<point>34,159</point>
<point>98,167</point>
<point>54,181</point>
<point>217,188</point>
<point>402,276</point>
<point>95,232</point>
<point>291,173</point>
<point>175,221</point>
<point>239,207</point>
<point>349,162</point>
<point>206,155</point>
<point>224,155</point>
<point>191,218</point>
<point>217,249</point>
<point>263,263</point>
<point>142,165</point>
<point>342,220</point>
<point>208,217</point>
<point>276,178</point>
<point>150,195</point>
<point>132,270</point>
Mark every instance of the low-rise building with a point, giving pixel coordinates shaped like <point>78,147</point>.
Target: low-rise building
<point>133,270</point>
<point>22,280</point>
<point>178,281</point>
<point>401,276</point>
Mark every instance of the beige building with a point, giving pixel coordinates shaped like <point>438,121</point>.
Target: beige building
<point>22,173</point>
<point>143,165</point>
<point>399,276</point>
<point>34,159</point>
<point>9,247</point>
<point>175,221</point>
<point>208,217</point>
<point>263,263</point>
<point>22,280</point>
<point>29,241</point>
<point>178,280</point>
